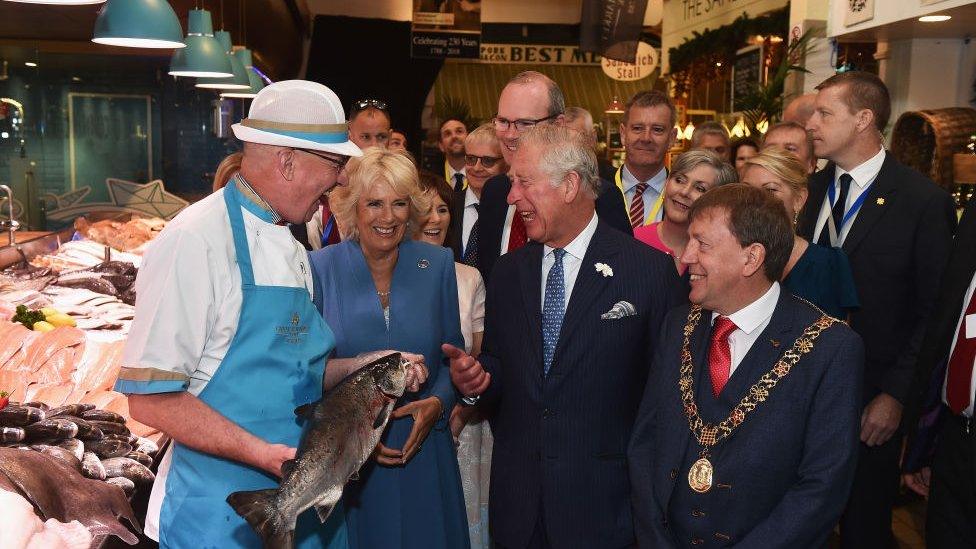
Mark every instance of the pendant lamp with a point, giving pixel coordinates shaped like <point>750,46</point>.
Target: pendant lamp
<point>237,82</point>
<point>244,55</point>
<point>138,24</point>
<point>203,55</point>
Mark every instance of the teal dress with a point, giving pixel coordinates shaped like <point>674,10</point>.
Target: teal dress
<point>419,505</point>
<point>823,277</point>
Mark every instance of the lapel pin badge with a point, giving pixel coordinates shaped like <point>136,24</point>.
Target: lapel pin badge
<point>423,263</point>
<point>880,202</point>
<point>775,343</point>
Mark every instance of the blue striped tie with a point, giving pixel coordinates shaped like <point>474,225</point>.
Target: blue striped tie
<point>553,309</point>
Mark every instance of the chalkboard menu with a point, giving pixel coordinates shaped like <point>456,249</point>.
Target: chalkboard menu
<point>746,74</point>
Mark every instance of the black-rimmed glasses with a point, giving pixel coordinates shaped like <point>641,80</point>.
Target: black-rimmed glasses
<point>486,161</point>
<point>522,124</point>
<point>338,163</point>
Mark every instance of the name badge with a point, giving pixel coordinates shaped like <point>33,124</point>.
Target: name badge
<point>970,321</point>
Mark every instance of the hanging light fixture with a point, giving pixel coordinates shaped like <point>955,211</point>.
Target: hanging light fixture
<point>138,24</point>
<point>239,80</point>
<point>203,56</point>
<point>256,84</point>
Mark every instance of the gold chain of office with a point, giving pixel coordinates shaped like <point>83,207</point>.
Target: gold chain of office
<point>700,475</point>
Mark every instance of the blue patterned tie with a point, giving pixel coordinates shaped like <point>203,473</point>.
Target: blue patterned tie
<point>553,309</point>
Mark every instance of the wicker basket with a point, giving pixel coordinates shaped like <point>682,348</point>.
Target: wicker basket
<point>927,140</point>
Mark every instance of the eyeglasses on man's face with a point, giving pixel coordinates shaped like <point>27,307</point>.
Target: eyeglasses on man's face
<point>522,124</point>
<point>486,161</point>
<point>338,163</point>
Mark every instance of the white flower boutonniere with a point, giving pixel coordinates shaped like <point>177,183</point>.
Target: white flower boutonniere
<point>604,269</point>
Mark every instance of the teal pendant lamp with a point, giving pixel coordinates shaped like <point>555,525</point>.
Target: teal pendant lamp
<point>138,24</point>
<point>203,56</point>
<point>237,82</point>
<point>244,55</point>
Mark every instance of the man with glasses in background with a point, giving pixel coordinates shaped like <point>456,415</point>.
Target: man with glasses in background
<point>530,98</point>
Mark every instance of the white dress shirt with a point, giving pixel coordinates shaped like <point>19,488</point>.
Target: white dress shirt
<point>750,321</point>
<point>507,228</point>
<point>655,186</point>
<point>572,261</point>
<point>469,216</point>
<point>970,331</point>
<point>862,176</point>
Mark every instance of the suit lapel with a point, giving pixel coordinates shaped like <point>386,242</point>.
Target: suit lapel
<point>589,285</point>
<point>818,190</point>
<point>530,279</point>
<point>875,205</point>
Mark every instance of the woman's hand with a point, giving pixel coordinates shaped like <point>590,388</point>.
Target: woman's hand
<point>425,413</point>
<point>416,372</point>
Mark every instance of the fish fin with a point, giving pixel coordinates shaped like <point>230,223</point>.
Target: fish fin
<point>382,416</point>
<point>354,475</point>
<point>287,467</point>
<point>327,502</point>
<point>258,509</point>
<point>324,511</point>
<point>305,410</point>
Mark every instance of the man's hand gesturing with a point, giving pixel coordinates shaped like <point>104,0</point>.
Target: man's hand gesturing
<point>466,372</point>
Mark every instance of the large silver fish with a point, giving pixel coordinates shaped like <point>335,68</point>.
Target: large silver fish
<point>346,425</point>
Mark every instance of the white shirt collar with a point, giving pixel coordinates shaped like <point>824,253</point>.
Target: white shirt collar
<point>656,182</point>
<point>469,197</point>
<point>451,171</point>
<point>865,173</point>
<point>577,248</point>
<point>756,313</point>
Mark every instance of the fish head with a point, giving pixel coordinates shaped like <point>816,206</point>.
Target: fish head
<point>390,374</point>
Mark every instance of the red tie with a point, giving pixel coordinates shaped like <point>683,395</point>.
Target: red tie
<point>960,377</point>
<point>637,206</point>
<point>720,354</point>
<point>517,236</point>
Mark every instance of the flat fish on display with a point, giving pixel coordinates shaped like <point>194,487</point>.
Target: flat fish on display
<point>88,280</point>
<point>345,428</point>
<point>128,468</point>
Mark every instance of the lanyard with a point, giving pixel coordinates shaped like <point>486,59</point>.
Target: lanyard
<point>450,180</point>
<point>654,209</point>
<point>832,196</point>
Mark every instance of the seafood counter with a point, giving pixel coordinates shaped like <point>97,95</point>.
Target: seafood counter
<point>71,457</point>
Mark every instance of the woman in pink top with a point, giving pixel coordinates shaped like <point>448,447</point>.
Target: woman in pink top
<point>692,174</point>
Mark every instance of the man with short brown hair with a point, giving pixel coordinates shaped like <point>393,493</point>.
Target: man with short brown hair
<point>450,141</point>
<point>794,138</point>
<point>896,227</point>
<point>647,132</point>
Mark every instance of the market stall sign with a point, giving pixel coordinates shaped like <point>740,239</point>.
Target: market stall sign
<point>536,54</point>
<point>451,30</point>
<point>647,58</point>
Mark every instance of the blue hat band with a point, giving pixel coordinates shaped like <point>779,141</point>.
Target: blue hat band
<point>315,137</point>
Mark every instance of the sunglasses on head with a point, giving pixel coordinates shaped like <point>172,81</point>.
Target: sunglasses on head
<point>486,161</point>
<point>364,104</point>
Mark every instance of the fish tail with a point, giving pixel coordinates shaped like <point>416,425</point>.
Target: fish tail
<point>259,510</point>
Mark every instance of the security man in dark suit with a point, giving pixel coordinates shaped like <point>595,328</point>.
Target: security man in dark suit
<point>896,227</point>
<point>747,432</point>
<point>562,387</point>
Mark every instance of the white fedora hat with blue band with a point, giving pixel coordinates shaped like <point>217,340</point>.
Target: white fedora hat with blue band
<point>298,114</point>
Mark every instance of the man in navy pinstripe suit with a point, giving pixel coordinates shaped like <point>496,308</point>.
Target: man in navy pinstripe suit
<point>570,328</point>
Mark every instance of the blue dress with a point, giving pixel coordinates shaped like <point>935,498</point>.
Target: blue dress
<point>823,277</point>
<point>420,505</point>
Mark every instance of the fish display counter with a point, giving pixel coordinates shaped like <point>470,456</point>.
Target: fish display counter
<point>69,450</point>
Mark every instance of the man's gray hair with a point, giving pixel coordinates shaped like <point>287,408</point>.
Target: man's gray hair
<point>561,151</point>
<point>557,102</point>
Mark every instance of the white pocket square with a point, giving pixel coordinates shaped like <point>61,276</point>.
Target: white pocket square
<point>620,309</point>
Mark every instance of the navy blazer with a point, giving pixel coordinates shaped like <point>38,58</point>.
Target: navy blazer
<point>898,247</point>
<point>782,478</point>
<point>561,439</point>
<point>493,209</point>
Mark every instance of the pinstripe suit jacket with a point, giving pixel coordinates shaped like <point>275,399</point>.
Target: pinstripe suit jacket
<point>561,440</point>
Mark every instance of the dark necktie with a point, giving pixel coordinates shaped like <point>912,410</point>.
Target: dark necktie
<point>470,256</point>
<point>458,182</point>
<point>553,309</point>
<point>720,354</point>
<point>837,211</point>
<point>637,206</point>
<point>959,379</point>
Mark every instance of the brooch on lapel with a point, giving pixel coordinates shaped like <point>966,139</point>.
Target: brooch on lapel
<point>620,309</point>
<point>423,263</point>
<point>880,202</point>
<point>604,269</point>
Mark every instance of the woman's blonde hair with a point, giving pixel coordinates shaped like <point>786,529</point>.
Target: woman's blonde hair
<point>230,165</point>
<point>689,160</point>
<point>378,166</point>
<point>783,164</point>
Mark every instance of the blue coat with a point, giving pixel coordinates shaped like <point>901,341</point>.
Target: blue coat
<point>782,478</point>
<point>560,440</point>
<point>421,504</point>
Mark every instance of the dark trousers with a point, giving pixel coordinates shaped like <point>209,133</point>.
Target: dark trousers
<point>951,520</point>
<point>866,522</point>
<point>539,539</point>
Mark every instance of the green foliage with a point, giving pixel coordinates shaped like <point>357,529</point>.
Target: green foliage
<point>454,108</point>
<point>765,102</point>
